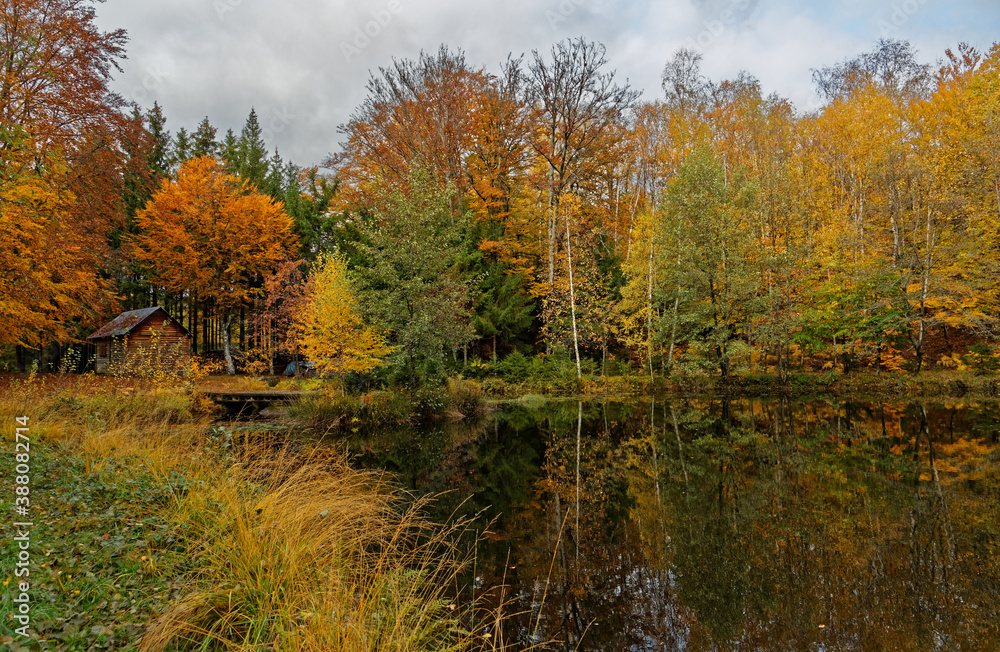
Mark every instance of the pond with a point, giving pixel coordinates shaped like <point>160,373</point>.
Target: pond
<point>716,525</point>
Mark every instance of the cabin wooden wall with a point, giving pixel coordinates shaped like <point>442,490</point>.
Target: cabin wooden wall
<point>157,341</point>
<point>173,345</point>
<point>102,355</point>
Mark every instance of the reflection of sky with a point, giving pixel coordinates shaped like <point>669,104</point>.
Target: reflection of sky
<point>219,57</point>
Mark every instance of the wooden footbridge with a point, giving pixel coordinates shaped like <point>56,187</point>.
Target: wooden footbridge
<point>251,402</point>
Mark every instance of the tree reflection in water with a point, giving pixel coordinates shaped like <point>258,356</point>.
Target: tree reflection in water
<point>752,525</point>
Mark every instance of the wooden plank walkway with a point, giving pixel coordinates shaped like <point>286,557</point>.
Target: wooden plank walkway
<point>259,395</point>
<point>254,400</point>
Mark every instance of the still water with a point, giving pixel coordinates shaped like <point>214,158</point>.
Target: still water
<point>724,525</point>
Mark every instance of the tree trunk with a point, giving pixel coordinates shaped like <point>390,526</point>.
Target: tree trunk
<point>572,302</point>
<point>226,350</point>
<point>270,344</point>
<point>673,333</point>
<point>604,352</point>
<point>193,323</point>
<point>552,224</point>
<point>206,345</point>
<point>579,431</point>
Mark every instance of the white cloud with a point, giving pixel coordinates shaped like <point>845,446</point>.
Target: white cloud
<point>219,57</point>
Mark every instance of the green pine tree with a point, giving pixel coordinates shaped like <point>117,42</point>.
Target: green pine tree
<point>229,151</point>
<point>182,147</point>
<point>503,311</point>
<point>204,140</point>
<point>307,197</point>
<point>274,182</point>
<point>158,158</point>
<point>251,153</point>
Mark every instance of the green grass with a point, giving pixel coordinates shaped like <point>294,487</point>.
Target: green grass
<point>103,556</point>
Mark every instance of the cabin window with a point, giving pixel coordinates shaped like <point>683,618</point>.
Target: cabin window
<point>102,349</point>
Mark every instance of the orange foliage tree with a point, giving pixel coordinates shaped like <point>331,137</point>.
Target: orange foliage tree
<point>418,114</point>
<point>64,153</point>
<point>55,86</point>
<point>47,276</point>
<point>210,234</point>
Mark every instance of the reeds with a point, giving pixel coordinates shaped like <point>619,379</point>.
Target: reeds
<point>312,555</point>
<point>465,397</point>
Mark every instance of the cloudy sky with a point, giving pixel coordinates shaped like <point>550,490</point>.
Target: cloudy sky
<point>303,64</point>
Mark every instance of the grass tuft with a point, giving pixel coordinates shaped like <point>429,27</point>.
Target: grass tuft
<point>171,535</point>
<point>312,555</point>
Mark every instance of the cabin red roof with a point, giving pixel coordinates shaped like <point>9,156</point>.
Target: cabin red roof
<point>125,322</point>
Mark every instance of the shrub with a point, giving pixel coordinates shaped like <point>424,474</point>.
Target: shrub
<point>466,396</point>
<point>982,359</point>
<point>366,410</point>
<point>430,401</point>
<point>514,368</point>
<point>495,387</point>
<point>478,369</point>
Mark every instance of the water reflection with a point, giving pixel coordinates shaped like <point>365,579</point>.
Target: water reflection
<point>754,525</point>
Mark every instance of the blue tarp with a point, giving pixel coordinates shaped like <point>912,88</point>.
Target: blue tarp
<point>306,368</point>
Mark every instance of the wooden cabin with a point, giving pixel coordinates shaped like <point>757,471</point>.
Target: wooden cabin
<point>149,336</point>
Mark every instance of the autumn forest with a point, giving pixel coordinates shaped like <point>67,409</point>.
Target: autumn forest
<point>539,207</point>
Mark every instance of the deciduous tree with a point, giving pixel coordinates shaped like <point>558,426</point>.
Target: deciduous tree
<point>48,277</point>
<point>65,138</point>
<point>333,333</point>
<point>212,234</point>
<point>406,274</point>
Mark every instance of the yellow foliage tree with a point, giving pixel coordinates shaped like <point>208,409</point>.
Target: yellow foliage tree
<point>333,334</point>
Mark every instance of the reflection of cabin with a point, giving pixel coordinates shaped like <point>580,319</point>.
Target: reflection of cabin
<point>149,333</point>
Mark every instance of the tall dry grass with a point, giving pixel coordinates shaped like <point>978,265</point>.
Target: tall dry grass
<point>313,555</point>
<point>296,550</point>
<point>104,418</point>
